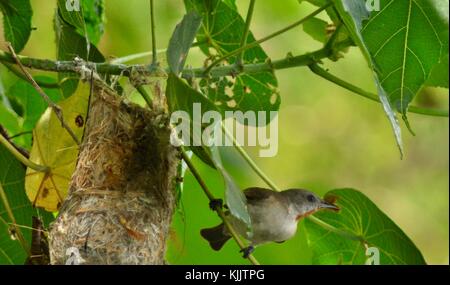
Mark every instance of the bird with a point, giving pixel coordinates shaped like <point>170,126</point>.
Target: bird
<point>274,217</point>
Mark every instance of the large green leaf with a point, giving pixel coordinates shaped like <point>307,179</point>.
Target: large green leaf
<point>402,53</point>
<point>181,41</point>
<point>221,33</point>
<point>353,14</point>
<point>16,22</point>
<point>12,175</point>
<point>359,217</point>
<point>407,49</point>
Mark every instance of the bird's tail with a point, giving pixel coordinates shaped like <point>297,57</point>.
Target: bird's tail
<point>216,236</point>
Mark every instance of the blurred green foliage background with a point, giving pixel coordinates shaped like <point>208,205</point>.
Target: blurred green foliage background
<point>328,137</point>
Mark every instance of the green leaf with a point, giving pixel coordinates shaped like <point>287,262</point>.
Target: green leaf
<point>94,18</point>
<point>31,102</point>
<point>317,29</point>
<point>221,33</point>
<point>88,21</point>
<point>353,13</point>
<point>17,16</point>
<point>9,120</point>
<point>71,44</point>
<point>359,217</point>
<point>181,41</point>
<point>234,197</point>
<point>439,75</point>
<point>73,15</point>
<point>406,50</point>
<point>12,175</point>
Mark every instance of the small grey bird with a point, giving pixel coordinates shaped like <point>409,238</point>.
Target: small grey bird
<point>274,217</point>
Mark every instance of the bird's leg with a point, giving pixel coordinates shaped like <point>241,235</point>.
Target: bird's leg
<point>247,251</point>
<point>216,203</point>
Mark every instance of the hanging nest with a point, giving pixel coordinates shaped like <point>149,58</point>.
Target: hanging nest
<point>121,196</point>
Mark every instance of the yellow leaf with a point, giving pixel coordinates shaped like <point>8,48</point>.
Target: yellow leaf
<point>55,148</point>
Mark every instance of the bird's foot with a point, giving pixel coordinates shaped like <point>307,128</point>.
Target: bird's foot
<point>216,203</point>
<point>247,251</point>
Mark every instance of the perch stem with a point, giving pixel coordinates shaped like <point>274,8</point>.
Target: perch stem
<point>217,208</point>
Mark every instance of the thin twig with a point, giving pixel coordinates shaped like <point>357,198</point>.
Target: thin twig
<point>217,72</point>
<point>56,109</point>
<point>152,16</point>
<point>248,21</point>
<point>217,208</point>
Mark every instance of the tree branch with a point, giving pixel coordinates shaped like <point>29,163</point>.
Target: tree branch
<point>125,70</point>
<point>308,59</point>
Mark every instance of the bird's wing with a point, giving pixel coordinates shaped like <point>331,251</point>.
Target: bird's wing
<point>258,194</point>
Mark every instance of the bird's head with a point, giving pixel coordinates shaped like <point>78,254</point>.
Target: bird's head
<point>305,203</point>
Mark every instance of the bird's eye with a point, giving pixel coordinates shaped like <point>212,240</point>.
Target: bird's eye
<point>311,198</point>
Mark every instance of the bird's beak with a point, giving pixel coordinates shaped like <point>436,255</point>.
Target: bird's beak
<point>328,205</point>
